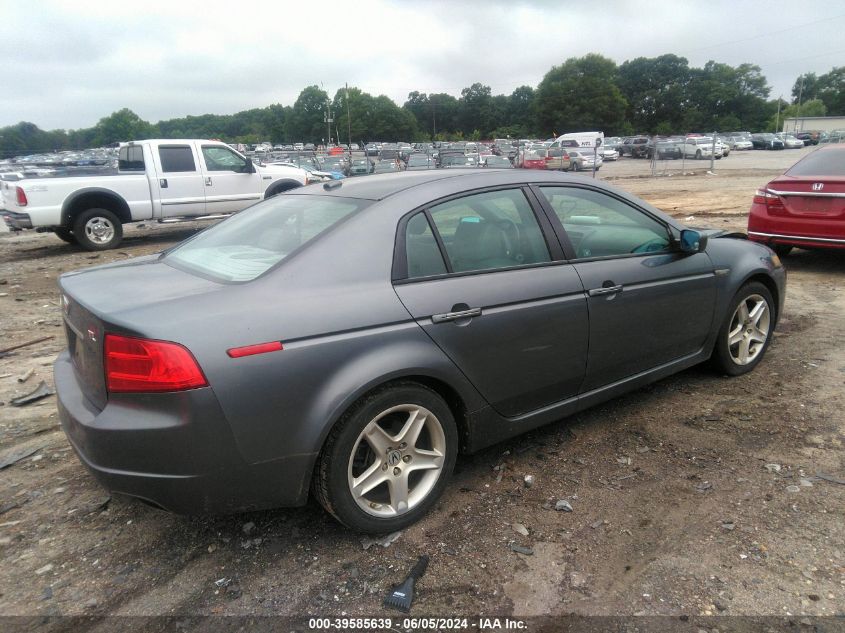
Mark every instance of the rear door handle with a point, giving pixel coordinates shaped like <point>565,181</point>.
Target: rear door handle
<point>607,290</point>
<point>454,316</point>
<point>208,181</point>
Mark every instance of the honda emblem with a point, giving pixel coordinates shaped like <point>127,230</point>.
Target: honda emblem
<point>818,186</point>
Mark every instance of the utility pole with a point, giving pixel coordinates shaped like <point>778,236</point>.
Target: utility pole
<point>348,123</point>
<point>777,118</point>
<point>713,152</point>
<point>329,120</point>
<point>433,120</point>
<point>798,112</point>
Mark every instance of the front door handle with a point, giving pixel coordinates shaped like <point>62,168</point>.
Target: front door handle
<point>606,290</point>
<point>454,316</point>
<point>208,181</point>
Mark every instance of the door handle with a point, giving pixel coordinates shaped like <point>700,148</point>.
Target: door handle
<point>454,316</point>
<point>208,181</point>
<point>606,290</point>
<point>162,182</point>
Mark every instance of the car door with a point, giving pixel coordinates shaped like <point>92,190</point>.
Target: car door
<point>649,303</point>
<point>485,282</point>
<point>230,184</point>
<point>180,183</point>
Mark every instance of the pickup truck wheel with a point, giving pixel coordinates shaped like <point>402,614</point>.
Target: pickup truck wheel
<point>97,230</point>
<point>65,235</point>
<point>698,154</point>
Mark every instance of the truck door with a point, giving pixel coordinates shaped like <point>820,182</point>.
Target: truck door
<point>180,182</point>
<point>230,184</point>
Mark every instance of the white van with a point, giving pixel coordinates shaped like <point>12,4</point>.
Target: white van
<point>579,139</point>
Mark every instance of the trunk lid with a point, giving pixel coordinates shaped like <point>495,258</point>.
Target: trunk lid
<point>118,298</point>
<point>810,196</point>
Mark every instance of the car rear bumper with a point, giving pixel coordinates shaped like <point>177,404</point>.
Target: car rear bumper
<point>810,231</point>
<point>802,241</point>
<point>16,221</point>
<point>173,450</point>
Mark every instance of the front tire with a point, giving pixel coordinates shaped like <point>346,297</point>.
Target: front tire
<point>746,332</point>
<point>574,166</point>
<point>387,461</point>
<point>66,235</point>
<point>97,230</point>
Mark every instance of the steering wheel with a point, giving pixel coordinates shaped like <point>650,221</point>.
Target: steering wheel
<point>653,245</point>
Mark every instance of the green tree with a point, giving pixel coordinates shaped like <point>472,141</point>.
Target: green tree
<point>306,121</point>
<point>520,110</point>
<point>655,88</point>
<point>831,90</point>
<point>805,88</point>
<point>580,95</point>
<point>123,125</point>
<point>813,107</point>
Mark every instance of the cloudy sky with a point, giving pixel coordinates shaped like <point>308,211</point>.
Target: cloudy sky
<point>67,64</point>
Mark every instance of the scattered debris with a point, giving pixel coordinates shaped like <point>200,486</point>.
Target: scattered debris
<point>577,580</point>
<point>26,375</point>
<point>14,456</point>
<point>597,524</point>
<point>793,488</point>
<point>43,570</point>
<point>403,595</point>
<point>563,506</point>
<point>12,348</point>
<point>384,541</point>
<point>704,486</point>
<point>223,582</point>
<point>773,468</point>
<point>247,528</point>
<point>624,461</point>
<point>830,478</point>
<point>520,529</point>
<point>728,525</point>
<point>528,480</point>
<point>519,549</point>
<point>41,391</point>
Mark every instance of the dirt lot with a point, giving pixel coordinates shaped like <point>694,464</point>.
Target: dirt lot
<point>674,508</point>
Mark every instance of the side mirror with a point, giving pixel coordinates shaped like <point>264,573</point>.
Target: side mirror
<point>692,241</point>
<point>250,167</point>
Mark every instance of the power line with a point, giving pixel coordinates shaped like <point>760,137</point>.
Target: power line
<point>767,33</point>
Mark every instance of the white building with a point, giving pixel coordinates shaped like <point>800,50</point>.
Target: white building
<point>820,123</point>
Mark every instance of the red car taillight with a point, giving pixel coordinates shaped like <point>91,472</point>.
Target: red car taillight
<point>20,194</point>
<point>772,201</point>
<point>135,364</point>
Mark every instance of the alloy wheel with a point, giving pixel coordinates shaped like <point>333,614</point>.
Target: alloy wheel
<point>396,460</point>
<point>99,230</point>
<point>749,329</point>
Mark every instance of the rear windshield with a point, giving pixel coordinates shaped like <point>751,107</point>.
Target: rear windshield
<point>253,241</point>
<point>820,163</point>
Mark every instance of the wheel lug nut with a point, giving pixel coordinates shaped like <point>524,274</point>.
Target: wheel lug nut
<point>384,466</point>
<point>406,459</point>
<point>403,445</point>
<point>397,470</point>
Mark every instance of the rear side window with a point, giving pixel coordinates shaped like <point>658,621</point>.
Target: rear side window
<point>250,243</point>
<point>424,258</point>
<point>130,158</point>
<point>176,158</point>
<point>820,163</point>
<point>495,229</point>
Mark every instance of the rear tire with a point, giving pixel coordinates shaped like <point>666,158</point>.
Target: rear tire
<point>97,230</point>
<point>573,166</point>
<point>365,475</point>
<point>746,331</point>
<point>66,235</point>
<point>698,154</point>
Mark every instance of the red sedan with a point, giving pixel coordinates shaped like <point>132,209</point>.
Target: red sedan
<point>534,160</point>
<point>804,207</point>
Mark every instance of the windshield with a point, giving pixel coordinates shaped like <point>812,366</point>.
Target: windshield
<point>253,241</point>
<point>821,163</point>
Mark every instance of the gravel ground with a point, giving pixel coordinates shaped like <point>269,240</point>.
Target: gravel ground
<point>697,495</point>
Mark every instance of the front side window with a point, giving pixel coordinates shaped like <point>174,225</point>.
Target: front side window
<point>599,225</point>
<point>253,241</point>
<point>222,159</point>
<point>176,158</point>
<point>495,229</point>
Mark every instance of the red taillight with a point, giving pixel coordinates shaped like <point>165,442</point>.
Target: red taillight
<point>135,364</point>
<point>20,194</point>
<point>771,200</point>
<point>249,350</point>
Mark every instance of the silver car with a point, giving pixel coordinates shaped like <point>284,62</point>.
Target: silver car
<point>349,339</point>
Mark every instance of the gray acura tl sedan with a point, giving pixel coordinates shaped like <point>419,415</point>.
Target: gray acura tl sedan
<point>351,338</point>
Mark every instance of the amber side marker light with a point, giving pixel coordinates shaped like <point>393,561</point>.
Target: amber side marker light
<point>250,350</point>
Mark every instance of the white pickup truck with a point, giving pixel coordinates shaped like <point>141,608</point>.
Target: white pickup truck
<point>156,180</point>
